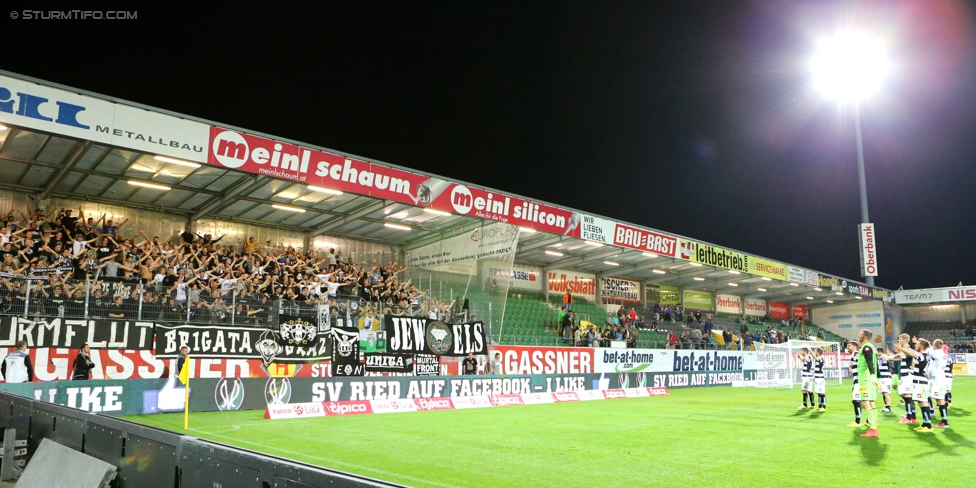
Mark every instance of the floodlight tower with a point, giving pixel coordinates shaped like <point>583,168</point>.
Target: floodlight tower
<point>849,68</point>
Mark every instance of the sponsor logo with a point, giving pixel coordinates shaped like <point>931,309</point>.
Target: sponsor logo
<point>577,284</point>
<point>566,396</point>
<point>609,394</point>
<point>30,106</point>
<point>714,256</point>
<point>628,361</point>
<point>961,294</point>
<point>505,400</point>
<point>229,394</point>
<point>277,391</point>
<point>230,149</point>
<point>657,391</point>
<point>546,360</point>
<point>347,408</point>
<point>515,274</point>
<point>779,310</point>
<point>434,403</point>
<point>869,250</point>
<point>461,199</point>
<point>621,288</point>
<point>645,240</point>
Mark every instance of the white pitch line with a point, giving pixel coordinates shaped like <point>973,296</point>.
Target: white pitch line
<point>319,458</point>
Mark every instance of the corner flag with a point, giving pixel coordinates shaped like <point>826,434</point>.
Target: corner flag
<point>185,379</point>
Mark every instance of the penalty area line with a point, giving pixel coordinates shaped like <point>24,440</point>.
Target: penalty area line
<point>272,449</point>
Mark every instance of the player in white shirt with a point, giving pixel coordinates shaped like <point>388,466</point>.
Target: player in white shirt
<point>856,389</point>
<point>805,359</point>
<point>948,375</point>
<point>819,380</point>
<point>937,377</point>
<point>884,377</point>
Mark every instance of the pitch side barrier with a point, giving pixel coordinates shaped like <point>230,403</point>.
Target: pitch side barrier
<point>128,397</point>
<point>147,456</point>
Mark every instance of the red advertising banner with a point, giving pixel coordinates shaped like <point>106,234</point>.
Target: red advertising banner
<point>55,364</point>
<point>644,240</point>
<point>544,360</point>
<point>779,310</point>
<point>801,312</point>
<point>259,155</point>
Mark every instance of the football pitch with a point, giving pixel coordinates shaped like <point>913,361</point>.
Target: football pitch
<point>718,436</point>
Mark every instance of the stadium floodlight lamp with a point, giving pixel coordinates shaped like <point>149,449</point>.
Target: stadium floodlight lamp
<point>858,298</point>
<point>794,284</point>
<point>699,279</point>
<point>839,293</point>
<point>649,254</point>
<point>396,226</point>
<point>611,263</point>
<point>818,289</point>
<point>809,298</point>
<point>766,279</point>
<point>761,289</point>
<point>554,253</point>
<point>437,212</point>
<point>733,284</point>
<point>289,208</point>
<point>830,301</point>
<point>330,191</point>
<point>695,264</point>
<point>527,230</point>
<point>659,271</point>
<point>849,66</point>
<point>732,271</point>
<point>149,185</point>
<point>178,162</point>
<point>594,243</point>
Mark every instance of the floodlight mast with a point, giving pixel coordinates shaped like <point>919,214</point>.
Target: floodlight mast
<point>849,68</point>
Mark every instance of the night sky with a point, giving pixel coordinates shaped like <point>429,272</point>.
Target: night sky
<point>692,117</point>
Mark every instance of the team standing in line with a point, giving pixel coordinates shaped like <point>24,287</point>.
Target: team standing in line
<point>924,370</point>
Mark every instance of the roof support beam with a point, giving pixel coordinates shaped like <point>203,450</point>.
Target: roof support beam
<point>357,214</point>
<point>69,163</point>
<point>546,241</point>
<point>452,232</point>
<point>577,260</point>
<point>219,201</point>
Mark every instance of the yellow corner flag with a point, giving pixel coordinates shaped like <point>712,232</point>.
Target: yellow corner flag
<point>185,379</point>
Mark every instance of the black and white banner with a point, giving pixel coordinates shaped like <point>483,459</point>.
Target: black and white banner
<point>229,342</point>
<point>74,333</point>
<point>389,363</point>
<point>345,352</point>
<point>426,365</point>
<point>424,336</point>
<point>117,286</point>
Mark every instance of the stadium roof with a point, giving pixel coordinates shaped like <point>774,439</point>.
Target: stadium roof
<point>74,144</point>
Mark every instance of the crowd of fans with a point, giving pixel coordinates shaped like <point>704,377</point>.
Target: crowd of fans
<point>60,264</point>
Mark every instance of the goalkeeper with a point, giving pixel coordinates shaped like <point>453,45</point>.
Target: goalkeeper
<point>867,375</point>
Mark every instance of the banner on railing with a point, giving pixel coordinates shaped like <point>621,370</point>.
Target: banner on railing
<point>345,352</point>
<point>227,342</point>
<point>425,336</point>
<point>74,333</point>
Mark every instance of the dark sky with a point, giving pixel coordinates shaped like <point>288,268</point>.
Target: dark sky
<point>693,117</point>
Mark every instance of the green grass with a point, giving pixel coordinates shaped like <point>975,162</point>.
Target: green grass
<point>700,437</point>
